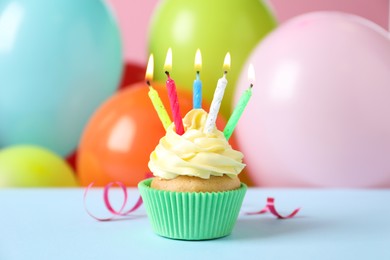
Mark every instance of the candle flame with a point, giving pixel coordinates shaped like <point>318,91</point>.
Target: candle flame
<point>168,61</point>
<point>198,60</point>
<point>226,62</point>
<point>251,74</point>
<point>149,69</point>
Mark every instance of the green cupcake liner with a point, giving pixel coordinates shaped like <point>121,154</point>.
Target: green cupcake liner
<point>192,215</point>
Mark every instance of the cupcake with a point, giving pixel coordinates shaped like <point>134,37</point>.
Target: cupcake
<point>196,193</point>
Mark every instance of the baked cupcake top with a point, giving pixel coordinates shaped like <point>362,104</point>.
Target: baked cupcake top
<point>194,153</point>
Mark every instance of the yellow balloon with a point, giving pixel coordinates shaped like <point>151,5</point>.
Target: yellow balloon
<point>33,166</point>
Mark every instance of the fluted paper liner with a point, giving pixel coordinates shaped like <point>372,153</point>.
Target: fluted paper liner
<point>192,215</point>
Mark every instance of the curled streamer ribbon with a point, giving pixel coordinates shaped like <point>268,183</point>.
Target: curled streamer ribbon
<point>107,202</point>
<point>270,206</point>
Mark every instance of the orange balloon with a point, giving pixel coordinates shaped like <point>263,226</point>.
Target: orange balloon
<point>117,141</point>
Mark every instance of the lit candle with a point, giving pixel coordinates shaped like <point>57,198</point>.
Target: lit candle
<point>172,93</point>
<point>154,97</point>
<point>197,87</point>
<point>242,102</point>
<point>218,96</point>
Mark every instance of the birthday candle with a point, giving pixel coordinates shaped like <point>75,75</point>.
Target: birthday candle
<point>172,93</point>
<point>197,87</point>
<point>217,99</point>
<point>159,107</point>
<point>154,97</point>
<point>242,103</point>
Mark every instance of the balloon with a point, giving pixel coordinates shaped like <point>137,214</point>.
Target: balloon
<point>132,73</point>
<point>216,27</point>
<point>319,113</point>
<point>119,138</point>
<point>134,16</point>
<point>33,166</point>
<point>71,160</point>
<point>58,61</point>
<point>378,12</point>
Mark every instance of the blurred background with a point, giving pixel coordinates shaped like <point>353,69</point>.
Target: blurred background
<point>134,18</point>
<point>74,105</point>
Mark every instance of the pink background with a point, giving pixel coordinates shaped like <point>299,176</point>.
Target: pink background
<point>134,16</point>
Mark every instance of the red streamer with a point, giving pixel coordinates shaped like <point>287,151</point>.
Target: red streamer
<point>107,202</point>
<point>270,207</point>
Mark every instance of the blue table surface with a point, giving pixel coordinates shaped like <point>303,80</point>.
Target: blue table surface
<point>333,224</point>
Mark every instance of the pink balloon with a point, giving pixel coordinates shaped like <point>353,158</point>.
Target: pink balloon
<point>319,114</point>
<point>376,11</point>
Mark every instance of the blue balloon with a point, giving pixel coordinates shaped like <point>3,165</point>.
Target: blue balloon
<point>59,60</point>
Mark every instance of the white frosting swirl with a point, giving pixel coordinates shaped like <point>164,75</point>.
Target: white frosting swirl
<point>194,153</point>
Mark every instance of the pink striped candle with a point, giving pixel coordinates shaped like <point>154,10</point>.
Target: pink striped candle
<point>172,94</point>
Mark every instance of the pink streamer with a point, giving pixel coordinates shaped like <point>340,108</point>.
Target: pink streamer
<point>270,207</point>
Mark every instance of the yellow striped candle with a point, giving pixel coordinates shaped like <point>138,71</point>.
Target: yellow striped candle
<point>159,107</point>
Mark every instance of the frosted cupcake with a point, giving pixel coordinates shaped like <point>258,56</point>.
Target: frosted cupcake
<point>196,193</point>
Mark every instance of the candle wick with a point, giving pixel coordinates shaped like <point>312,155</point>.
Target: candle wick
<point>198,75</point>
<point>251,85</point>
<point>225,72</point>
<point>148,82</point>
<point>167,72</point>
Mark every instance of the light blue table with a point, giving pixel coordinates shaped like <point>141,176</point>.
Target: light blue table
<point>333,224</point>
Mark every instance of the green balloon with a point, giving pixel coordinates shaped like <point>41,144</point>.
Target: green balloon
<point>32,166</point>
<point>215,27</point>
